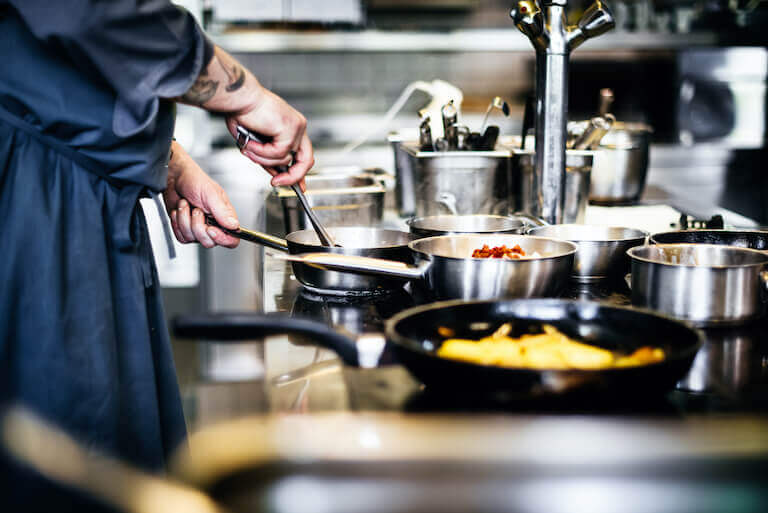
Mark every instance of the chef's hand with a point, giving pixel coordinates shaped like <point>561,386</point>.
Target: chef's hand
<point>191,194</point>
<point>226,86</point>
<point>286,143</point>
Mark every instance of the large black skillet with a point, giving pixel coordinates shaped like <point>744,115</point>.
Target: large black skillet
<point>416,333</point>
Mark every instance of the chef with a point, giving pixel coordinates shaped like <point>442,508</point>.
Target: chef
<point>87,95</point>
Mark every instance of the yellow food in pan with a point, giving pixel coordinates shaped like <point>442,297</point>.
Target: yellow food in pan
<point>549,350</point>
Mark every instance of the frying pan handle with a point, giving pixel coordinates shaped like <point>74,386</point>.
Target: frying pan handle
<point>241,233</point>
<point>362,265</point>
<point>237,326</point>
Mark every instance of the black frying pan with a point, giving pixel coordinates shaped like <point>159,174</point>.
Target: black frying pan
<point>753,239</point>
<point>414,336</point>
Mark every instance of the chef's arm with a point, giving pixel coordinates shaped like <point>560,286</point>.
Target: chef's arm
<point>225,86</point>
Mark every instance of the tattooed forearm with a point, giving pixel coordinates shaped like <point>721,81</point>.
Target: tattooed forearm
<point>223,86</point>
<point>202,90</point>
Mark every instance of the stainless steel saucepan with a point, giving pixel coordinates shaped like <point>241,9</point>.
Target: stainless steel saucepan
<point>602,249</point>
<point>356,241</point>
<point>432,226</point>
<point>446,266</point>
<point>702,283</point>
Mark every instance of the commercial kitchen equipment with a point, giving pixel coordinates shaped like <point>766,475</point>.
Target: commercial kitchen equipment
<point>456,182</point>
<point>337,199</point>
<point>602,249</point>
<point>705,284</point>
<point>544,24</point>
<point>445,266</point>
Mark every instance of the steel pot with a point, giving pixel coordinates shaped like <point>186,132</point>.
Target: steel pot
<point>753,239</point>
<point>602,249</point>
<point>449,272</point>
<point>459,182</point>
<point>432,226</point>
<point>701,283</point>
<point>621,164</point>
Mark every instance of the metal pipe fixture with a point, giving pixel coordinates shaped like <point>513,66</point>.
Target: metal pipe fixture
<point>553,40</point>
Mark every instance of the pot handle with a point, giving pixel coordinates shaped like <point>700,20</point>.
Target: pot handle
<point>361,265</point>
<point>242,326</point>
<point>241,233</point>
<point>764,278</point>
<point>531,220</point>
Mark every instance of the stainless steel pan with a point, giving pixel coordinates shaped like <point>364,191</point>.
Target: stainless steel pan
<point>702,283</point>
<point>446,267</point>
<point>602,249</point>
<point>355,241</point>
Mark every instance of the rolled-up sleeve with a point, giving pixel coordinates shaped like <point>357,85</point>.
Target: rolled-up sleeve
<point>145,50</point>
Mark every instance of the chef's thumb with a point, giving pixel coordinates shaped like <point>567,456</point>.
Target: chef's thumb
<point>223,211</point>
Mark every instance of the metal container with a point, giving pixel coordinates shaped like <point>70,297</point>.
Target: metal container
<point>701,283</point>
<point>602,249</point>
<point>445,265</point>
<point>337,200</point>
<point>431,226</point>
<point>459,182</point>
<point>621,164</point>
<point>525,192</point>
<point>405,188</point>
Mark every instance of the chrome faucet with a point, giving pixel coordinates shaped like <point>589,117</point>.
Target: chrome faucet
<point>553,40</point>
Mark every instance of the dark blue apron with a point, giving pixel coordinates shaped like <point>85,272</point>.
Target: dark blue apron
<point>83,339</point>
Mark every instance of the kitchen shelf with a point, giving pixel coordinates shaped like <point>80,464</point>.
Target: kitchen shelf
<point>476,40</point>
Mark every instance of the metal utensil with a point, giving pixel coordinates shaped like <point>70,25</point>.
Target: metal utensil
<point>450,119</point>
<point>244,136</point>
<point>606,101</point>
<point>425,135</point>
<point>602,249</point>
<point>497,103</point>
<point>594,133</point>
<point>358,241</point>
<point>701,283</point>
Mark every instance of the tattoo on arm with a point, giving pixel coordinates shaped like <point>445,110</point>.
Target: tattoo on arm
<point>235,73</point>
<point>202,90</point>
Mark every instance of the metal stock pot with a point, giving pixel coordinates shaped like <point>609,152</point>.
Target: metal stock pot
<point>702,283</point>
